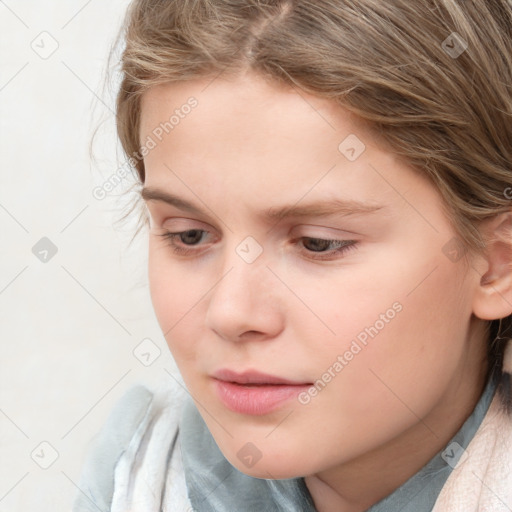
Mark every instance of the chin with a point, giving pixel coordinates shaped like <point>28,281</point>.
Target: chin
<point>268,472</point>
<point>270,466</point>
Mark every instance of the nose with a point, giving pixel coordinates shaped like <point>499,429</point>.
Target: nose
<point>244,304</point>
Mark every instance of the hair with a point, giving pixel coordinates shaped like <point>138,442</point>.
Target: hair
<point>431,79</point>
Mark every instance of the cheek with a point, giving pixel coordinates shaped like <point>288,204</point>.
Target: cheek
<point>173,295</point>
<point>178,295</point>
<point>401,322</point>
<point>163,295</point>
<point>393,378</point>
<point>403,358</point>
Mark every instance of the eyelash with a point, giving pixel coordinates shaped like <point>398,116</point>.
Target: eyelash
<point>346,245</point>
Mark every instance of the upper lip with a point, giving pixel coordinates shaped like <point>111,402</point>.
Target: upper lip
<point>253,377</point>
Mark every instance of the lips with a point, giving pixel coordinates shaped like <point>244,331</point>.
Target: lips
<point>253,392</point>
<point>253,377</point>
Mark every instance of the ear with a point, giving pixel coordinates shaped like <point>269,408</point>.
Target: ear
<point>493,298</point>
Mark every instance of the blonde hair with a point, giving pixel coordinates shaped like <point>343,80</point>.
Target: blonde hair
<point>432,79</point>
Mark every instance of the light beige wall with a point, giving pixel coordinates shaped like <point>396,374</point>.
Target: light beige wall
<point>68,325</point>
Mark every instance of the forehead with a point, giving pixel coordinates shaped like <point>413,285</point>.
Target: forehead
<point>249,101</point>
<point>266,145</point>
<point>247,123</point>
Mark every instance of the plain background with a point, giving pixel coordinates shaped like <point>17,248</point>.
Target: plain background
<point>71,323</point>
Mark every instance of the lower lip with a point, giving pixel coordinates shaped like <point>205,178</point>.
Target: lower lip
<point>257,399</point>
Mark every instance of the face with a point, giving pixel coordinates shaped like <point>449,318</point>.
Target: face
<point>300,273</point>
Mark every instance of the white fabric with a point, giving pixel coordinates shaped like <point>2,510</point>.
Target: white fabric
<point>143,468</point>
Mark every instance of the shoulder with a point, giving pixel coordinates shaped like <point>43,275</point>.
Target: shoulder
<point>130,421</point>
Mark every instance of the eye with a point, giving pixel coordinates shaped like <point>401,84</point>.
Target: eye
<point>183,242</point>
<point>330,248</point>
<point>190,237</point>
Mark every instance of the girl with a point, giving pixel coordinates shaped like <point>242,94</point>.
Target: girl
<point>327,191</point>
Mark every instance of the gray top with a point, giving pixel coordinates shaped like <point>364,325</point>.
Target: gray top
<point>214,485</point>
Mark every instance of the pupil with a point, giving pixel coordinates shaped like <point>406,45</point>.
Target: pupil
<point>186,238</point>
<point>318,244</point>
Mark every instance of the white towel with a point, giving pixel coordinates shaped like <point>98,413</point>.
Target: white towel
<point>149,475</point>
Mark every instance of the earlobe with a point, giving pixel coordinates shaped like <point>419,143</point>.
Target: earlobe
<point>493,298</point>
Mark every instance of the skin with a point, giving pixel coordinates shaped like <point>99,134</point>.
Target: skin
<point>249,146</point>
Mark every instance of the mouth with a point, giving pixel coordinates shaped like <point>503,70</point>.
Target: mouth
<point>253,392</point>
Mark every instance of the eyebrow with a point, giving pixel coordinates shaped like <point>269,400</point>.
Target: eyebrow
<point>321,208</point>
